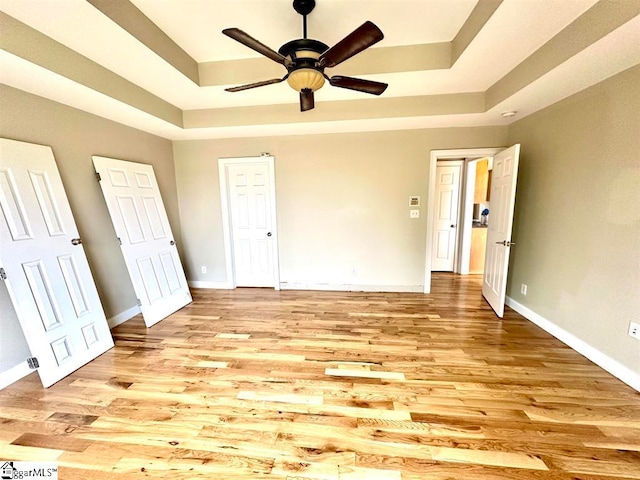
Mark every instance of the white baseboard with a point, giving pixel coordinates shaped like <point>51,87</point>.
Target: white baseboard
<point>216,285</point>
<point>14,374</point>
<point>612,366</point>
<point>123,316</point>
<point>346,287</point>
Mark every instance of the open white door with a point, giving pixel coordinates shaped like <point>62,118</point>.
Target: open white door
<point>142,226</point>
<point>44,265</point>
<point>503,200</point>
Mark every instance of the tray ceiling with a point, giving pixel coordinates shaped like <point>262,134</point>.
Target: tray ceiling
<point>162,66</point>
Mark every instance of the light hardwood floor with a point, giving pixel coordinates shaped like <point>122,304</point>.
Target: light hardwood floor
<point>258,384</point>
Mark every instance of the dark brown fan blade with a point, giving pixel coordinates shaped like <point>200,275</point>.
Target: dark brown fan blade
<point>361,38</point>
<point>366,86</point>
<point>247,40</point>
<point>306,100</point>
<point>254,85</point>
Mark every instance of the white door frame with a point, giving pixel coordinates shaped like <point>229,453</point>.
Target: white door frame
<point>223,164</point>
<point>433,161</point>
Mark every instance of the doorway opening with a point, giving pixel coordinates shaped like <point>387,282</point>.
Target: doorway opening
<point>463,235</point>
<point>476,205</point>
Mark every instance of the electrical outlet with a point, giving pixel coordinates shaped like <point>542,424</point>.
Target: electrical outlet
<point>354,272</point>
<point>414,213</point>
<point>523,289</point>
<point>634,330</point>
<point>204,269</point>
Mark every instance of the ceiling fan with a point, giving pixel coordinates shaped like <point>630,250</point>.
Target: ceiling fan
<point>305,59</point>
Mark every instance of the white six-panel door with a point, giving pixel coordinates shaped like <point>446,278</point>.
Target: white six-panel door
<point>47,273</point>
<point>249,195</point>
<point>247,187</point>
<point>503,199</point>
<point>141,223</point>
<point>445,219</point>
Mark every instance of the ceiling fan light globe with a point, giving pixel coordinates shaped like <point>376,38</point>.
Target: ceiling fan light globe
<point>305,78</point>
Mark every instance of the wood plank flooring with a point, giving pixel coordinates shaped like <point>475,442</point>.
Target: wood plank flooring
<point>258,384</point>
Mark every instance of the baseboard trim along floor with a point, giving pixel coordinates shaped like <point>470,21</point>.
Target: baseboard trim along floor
<point>123,316</point>
<point>612,366</point>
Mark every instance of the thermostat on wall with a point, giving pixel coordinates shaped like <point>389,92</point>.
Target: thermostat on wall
<point>414,201</point>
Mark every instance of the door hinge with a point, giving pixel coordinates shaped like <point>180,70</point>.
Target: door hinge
<point>33,363</point>
<point>3,274</point>
<point>139,302</point>
<point>119,240</point>
<point>98,176</point>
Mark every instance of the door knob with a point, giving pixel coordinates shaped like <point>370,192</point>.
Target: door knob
<point>76,241</point>
<point>453,226</point>
<point>268,234</point>
<point>172,242</point>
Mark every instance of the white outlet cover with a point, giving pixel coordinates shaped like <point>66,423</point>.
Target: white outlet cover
<point>414,213</point>
<point>634,330</point>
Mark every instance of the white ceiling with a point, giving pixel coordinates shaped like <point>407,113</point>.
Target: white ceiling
<point>275,22</point>
<point>516,30</point>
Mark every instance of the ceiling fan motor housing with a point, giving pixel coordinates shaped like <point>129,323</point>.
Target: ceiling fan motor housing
<point>305,71</point>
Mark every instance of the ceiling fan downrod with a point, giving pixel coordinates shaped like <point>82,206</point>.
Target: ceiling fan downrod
<point>304,8</point>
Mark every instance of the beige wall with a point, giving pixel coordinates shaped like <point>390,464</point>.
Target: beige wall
<point>75,136</point>
<point>578,215</point>
<point>13,344</point>
<point>342,202</point>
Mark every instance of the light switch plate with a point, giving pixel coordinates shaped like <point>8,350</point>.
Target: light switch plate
<point>414,213</point>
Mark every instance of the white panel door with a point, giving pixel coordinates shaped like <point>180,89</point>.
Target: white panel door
<point>445,219</point>
<point>503,200</point>
<point>250,202</point>
<point>47,273</point>
<point>141,223</point>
